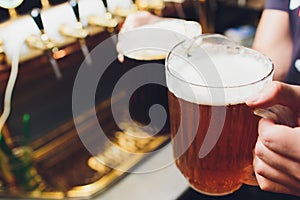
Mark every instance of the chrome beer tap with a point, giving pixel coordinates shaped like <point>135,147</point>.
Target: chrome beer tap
<point>107,21</point>
<point>43,42</point>
<point>77,31</point>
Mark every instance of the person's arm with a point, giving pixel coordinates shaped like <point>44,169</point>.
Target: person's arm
<point>274,40</point>
<point>277,152</point>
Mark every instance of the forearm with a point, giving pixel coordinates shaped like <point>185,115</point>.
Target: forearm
<point>273,39</point>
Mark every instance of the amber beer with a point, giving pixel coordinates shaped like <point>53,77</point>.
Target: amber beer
<point>198,108</point>
<point>229,162</point>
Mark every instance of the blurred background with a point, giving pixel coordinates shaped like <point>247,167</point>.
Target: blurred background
<point>46,41</point>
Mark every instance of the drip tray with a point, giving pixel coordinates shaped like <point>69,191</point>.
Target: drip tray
<point>69,170</point>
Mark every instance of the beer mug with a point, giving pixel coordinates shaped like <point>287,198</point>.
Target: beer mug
<point>213,131</point>
<point>145,48</point>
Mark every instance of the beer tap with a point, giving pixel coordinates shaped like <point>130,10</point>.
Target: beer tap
<point>153,5</point>
<point>105,4</point>
<point>77,31</point>
<point>124,12</point>
<point>43,42</point>
<point>107,20</point>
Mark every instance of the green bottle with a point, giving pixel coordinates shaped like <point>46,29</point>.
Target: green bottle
<point>21,166</point>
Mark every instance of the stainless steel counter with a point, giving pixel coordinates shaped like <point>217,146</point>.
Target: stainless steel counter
<point>168,184</point>
<point>165,183</point>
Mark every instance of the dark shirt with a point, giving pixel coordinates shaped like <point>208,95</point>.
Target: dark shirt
<point>292,7</point>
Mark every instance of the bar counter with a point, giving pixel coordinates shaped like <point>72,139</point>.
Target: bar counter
<point>168,184</point>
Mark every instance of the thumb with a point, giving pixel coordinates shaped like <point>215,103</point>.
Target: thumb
<point>119,51</point>
<point>276,92</point>
<point>121,58</point>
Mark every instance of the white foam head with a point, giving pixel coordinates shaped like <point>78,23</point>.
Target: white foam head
<point>216,74</point>
<point>154,41</point>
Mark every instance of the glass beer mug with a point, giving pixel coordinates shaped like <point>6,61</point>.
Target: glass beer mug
<point>213,131</point>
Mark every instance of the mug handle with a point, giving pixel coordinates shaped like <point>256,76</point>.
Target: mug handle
<point>279,114</point>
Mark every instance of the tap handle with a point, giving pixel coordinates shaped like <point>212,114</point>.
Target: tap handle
<point>105,3</point>
<point>36,16</point>
<point>74,5</point>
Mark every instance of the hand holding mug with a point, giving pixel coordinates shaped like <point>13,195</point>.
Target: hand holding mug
<point>277,151</point>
